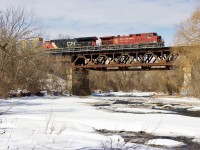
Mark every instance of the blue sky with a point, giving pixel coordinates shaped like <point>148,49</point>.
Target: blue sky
<point>78,18</point>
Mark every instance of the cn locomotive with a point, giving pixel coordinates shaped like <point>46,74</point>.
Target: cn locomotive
<point>76,42</point>
<point>142,39</point>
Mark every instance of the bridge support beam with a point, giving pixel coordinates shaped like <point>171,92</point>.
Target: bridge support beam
<point>77,82</point>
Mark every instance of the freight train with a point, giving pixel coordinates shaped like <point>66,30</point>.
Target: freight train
<point>142,39</point>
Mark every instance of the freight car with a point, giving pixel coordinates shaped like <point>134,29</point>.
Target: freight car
<point>76,42</point>
<point>133,39</point>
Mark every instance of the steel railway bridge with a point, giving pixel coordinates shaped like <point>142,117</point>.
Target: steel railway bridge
<point>110,58</point>
<point>116,58</point>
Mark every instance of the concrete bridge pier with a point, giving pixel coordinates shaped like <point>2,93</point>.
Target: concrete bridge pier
<point>78,82</point>
<point>186,88</point>
<point>69,80</point>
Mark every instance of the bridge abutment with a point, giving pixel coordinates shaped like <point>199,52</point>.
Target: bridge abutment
<point>78,82</point>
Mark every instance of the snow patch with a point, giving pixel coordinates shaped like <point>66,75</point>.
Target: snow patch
<point>142,110</point>
<point>125,94</point>
<point>194,109</point>
<point>165,142</point>
<point>196,140</point>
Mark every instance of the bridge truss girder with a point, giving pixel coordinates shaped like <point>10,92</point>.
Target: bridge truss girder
<point>161,59</point>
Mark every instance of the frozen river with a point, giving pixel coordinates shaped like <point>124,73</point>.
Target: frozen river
<point>100,122</point>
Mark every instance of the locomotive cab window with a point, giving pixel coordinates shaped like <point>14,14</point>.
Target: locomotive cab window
<point>154,34</point>
<point>138,34</point>
<point>149,35</point>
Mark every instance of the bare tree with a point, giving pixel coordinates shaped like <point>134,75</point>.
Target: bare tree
<point>23,63</point>
<point>61,36</point>
<point>117,80</point>
<point>187,40</point>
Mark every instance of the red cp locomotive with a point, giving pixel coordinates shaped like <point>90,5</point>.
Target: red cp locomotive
<point>142,39</point>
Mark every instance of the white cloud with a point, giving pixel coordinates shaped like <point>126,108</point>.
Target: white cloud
<point>104,17</point>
